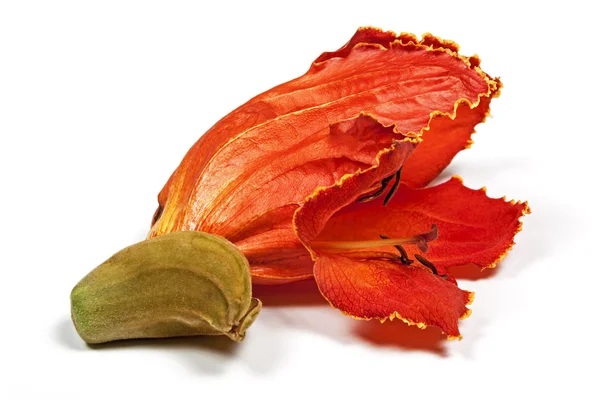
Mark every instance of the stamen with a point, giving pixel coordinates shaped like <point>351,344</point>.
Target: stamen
<point>403,255</point>
<point>427,237</point>
<point>429,265</point>
<point>419,240</point>
<point>378,193</point>
<point>394,187</point>
<point>426,263</point>
<point>371,254</point>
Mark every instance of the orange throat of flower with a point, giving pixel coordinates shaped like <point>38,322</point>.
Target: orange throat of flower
<point>363,248</point>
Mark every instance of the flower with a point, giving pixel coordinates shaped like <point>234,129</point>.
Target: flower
<point>325,176</point>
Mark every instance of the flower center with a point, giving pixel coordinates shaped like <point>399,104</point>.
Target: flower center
<point>420,240</point>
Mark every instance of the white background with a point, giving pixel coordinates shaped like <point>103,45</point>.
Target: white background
<point>99,101</point>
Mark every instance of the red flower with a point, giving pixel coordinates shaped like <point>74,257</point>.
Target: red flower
<point>293,177</point>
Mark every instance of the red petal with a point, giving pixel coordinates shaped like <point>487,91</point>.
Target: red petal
<point>473,228</point>
<point>281,146</point>
<point>380,289</point>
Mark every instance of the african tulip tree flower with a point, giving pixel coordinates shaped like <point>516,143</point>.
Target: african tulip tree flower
<point>324,177</point>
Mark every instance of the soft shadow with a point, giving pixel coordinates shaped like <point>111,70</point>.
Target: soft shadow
<point>216,344</point>
<point>402,336</point>
<point>487,170</point>
<point>309,311</point>
<point>66,335</point>
<point>473,329</point>
<point>199,354</point>
<point>547,225</point>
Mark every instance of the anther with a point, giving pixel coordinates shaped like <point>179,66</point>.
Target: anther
<point>403,255</point>
<point>430,265</point>
<point>394,187</point>
<point>384,183</point>
<point>427,237</point>
<point>426,263</point>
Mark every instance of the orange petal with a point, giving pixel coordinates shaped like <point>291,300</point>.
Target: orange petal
<point>448,132</point>
<point>380,289</point>
<point>270,241</point>
<point>318,208</point>
<point>276,150</point>
<point>276,255</point>
<point>445,137</point>
<point>473,228</point>
<point>287,270</point>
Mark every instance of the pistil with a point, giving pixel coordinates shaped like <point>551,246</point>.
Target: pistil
<point>419,240</point>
